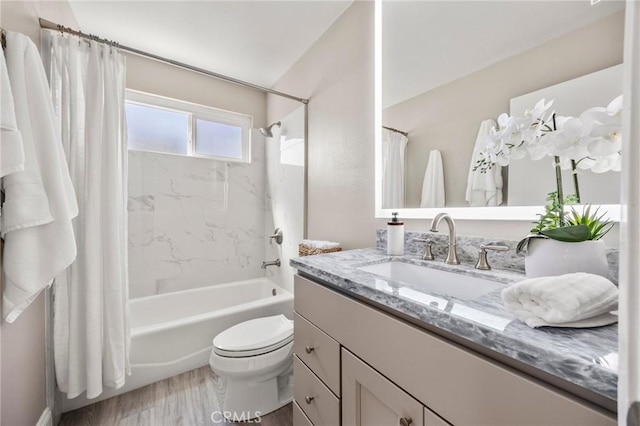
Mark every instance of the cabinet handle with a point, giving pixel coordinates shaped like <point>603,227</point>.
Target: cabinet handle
<point>309,349</point>
<point>308,399</point>
<point>405,421</point>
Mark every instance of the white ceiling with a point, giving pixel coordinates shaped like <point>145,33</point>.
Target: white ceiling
<point>254,41</point>
<point>430,43</point>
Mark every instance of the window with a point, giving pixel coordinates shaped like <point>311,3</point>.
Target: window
<point>159,124</point>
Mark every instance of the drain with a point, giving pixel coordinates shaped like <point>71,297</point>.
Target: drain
<point>273,292</point>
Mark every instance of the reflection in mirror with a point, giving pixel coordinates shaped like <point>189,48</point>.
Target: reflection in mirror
<point>451,68</point>
<point>570,99</point>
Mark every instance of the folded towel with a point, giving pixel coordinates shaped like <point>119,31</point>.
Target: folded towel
<point>11,151</point>
<point>483,189</point>
<point>320,244</point>
<point>576,300</point>
<point>40,200</point>
<point>433,183</point>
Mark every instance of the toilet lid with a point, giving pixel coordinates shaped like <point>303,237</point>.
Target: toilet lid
<point>254,337</point>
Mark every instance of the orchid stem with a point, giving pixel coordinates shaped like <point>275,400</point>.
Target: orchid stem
<point>576,186</point>
<point>560,194</point>
<point>556,161</point>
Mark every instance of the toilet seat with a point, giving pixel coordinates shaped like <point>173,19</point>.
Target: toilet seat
<point>254,337</point>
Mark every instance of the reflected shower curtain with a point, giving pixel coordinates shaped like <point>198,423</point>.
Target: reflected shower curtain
<point>91,336</point>
<point>393,158</point>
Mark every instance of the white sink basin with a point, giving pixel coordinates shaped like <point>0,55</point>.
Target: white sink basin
<point>434,280</point>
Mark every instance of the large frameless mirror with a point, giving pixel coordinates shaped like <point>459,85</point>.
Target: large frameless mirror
<point>447,71</point>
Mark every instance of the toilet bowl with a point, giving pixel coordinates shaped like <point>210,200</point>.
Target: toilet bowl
<point>256,359</point>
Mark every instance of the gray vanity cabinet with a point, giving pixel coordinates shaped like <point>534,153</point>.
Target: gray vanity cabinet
<point>357,365</point>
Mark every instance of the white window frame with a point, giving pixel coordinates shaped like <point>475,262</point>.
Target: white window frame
<point>195,112</point>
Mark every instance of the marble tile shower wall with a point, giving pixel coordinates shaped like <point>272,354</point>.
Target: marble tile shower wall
<point>193,221</point>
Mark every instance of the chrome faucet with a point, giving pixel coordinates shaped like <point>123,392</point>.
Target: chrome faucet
<point>452,255</point>
<point>272,263</point>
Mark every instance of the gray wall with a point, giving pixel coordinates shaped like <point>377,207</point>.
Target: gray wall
<point>22,353</point>
<point>448,118</point>
<point>336,74</point>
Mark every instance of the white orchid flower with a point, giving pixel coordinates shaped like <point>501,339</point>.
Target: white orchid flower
<point>607,163</point>
<point>570,140</point>
<point>606,128</point>
<point>538,111</point>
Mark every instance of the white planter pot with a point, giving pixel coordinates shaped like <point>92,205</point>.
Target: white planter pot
<point>550,257</point>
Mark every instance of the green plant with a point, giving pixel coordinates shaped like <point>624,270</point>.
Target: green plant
<point>570,226</point>
<point>554,216</point>
<point>598,225</point>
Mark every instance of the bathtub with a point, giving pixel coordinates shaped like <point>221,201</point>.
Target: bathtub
<point>172,333</point>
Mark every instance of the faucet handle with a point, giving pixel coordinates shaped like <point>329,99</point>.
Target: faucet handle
<point>277,236</point>
<point>483,262</point>
<point>428,253</point>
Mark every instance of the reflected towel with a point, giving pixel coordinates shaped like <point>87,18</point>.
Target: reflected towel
<point>483,189</point>
<point>11,151</point>
<point>433,184</point>
<point>576,300</point>
<point>40,201</point>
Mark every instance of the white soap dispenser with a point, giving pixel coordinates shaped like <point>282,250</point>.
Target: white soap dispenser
<point>395,236</point>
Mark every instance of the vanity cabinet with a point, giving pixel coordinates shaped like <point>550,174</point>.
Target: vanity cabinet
<point>368,399</point>
<point>390,371</point>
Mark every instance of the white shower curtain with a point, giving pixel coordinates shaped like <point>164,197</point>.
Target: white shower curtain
<point>393,158</point>
<point>91,336</point>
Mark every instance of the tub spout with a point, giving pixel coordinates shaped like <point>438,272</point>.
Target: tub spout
<point>272,263</point>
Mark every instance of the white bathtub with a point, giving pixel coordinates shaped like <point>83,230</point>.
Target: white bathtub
<point>172,333</point>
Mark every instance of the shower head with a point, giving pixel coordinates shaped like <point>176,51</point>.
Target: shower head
<point>267,131</point>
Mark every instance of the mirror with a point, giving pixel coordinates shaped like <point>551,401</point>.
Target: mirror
<point>572,99</point>
<point>445,67</point>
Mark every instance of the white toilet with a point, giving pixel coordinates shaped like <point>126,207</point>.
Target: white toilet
<point>256,359</point>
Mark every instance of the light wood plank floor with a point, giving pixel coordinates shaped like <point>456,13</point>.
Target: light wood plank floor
<point>185,400</point>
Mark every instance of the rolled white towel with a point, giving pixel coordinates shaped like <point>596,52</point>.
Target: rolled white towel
<point>576,300</point>
<point>320,244</point>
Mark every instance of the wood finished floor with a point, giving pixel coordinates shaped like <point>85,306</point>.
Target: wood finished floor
<point>185,400</point>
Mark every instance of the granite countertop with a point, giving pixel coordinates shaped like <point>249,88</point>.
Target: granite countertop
<point>579,357</point>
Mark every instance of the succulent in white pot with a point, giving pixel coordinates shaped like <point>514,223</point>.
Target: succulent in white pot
<point>566,242</point>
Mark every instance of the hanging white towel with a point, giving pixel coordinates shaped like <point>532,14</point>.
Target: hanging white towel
<point>433,184</point>
<point>483,189</point>
<point>11,151</point>
<point>40,201</point>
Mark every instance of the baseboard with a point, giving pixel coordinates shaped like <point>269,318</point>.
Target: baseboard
<point>46,419</point>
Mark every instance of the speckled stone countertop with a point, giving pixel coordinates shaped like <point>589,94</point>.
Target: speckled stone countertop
<point>579,357</point>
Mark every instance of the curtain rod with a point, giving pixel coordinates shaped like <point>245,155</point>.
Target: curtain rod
<point>396,130</point>
<point>56,27</point>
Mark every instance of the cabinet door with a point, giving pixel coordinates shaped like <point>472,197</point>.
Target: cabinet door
<point>369,399</point>
<point>432,419</point>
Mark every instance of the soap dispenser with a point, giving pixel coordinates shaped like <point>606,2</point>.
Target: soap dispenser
<point>395,236</point>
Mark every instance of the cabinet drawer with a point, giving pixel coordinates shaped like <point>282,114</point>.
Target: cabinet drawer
<point>318,351</point>
<point>316,400</point>
<point>299,417</point>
